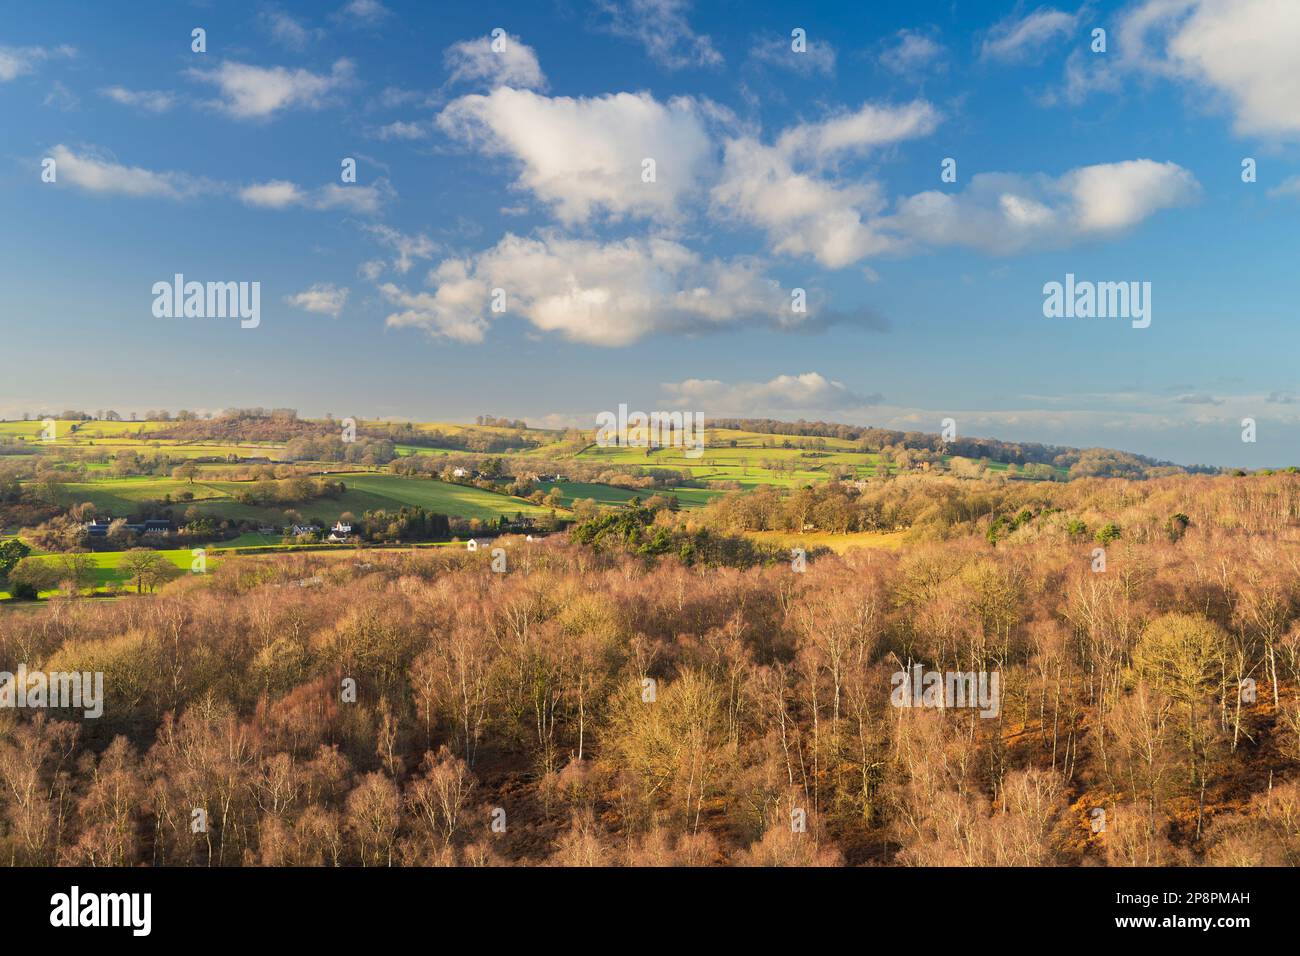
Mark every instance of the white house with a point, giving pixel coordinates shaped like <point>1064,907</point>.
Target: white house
<point>471,545</point>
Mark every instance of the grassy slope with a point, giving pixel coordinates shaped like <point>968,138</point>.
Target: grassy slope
<point>108,566</point>
<point>731,456</point>
<point>366,492</point>
<point>457,500</point>
<point>609,495</point>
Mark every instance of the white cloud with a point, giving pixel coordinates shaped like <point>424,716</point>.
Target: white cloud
<point>1245,50</point>
<point>60,97</point>
<point>662,28</point>
<point>1111,197</point>
<point>101,174</point>
<point>20,61</point>
<point>1111,419</point>
<point>474,61</point>
<point>392,97</point>
<point>809,392</point>
<point>1005,212</point>
<point>1288,187</point>
<point>818,57</point>
<point>282,194</point>
<point>151,101</point>
<point>584,156</point>
<point>408,247</point>
<point>1024,38</point>
<point>402,130</point>
<point>1085,74</point>
<point>322,298</point>
<point>868,128</point>
<point>454,310</point>
<point>15,63</point>
<point>802,214</point>
<point>287,30</point>
<point>364,12</point>
<point>912,53</point>
<point>1198,398</point>
<point>353,198</point>
<point>255,92</point>
<point>1241,52</point>
<point>778,189</point>
<point>276,194</point>
<point>1052,426</point>
<point>607,294</point>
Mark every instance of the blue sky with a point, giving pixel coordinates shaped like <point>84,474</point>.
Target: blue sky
<point>519,166</point>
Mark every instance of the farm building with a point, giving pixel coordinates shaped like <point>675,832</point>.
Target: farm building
<point>99,527</point>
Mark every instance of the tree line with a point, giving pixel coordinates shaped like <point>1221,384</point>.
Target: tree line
<point>600,703</point>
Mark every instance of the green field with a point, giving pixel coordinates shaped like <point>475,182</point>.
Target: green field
<point>732,455</point>
<point>456,428</point>
<point>250,539</point>
<point>734,464</point>
<point>731,458</point>
<point>449,499</point>
<point>405,450</point>
<point>366,492</point>
<point>32,430</point>
<point>117,429</point>
<point>109,571</point>
<point>122,494</point>
<point>108,568</point>
<point>610,495</point>
<point>151,448</point>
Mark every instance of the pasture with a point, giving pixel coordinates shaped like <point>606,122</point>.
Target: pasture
<point>365,492</point>
<point>610,495</point>
<point>731,458</point>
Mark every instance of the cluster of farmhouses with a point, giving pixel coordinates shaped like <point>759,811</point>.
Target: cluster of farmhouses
<point>525,476</point>
<point>340,532</point>
<point>98,528</point>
